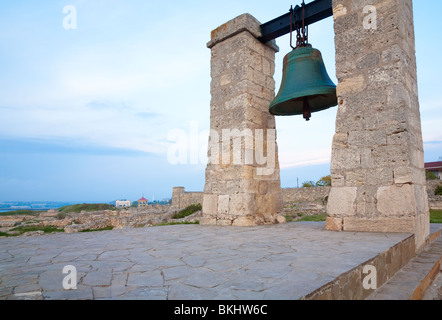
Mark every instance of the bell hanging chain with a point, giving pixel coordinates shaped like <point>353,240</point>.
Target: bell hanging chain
<point>301,32</point>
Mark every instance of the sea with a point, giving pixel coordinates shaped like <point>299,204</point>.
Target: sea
<point>42,209</point>
<point>32,205</point>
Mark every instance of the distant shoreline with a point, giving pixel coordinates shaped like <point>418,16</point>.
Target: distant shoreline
<point>29,209</point>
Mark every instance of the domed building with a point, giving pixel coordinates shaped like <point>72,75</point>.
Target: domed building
<point>142,202</point>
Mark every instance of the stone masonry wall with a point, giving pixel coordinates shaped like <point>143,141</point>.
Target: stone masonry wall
<point>182,199</point>
<point>242,183</point>
<point>305,194</point>
<point>431,188</point>
<point>434,201</point>
<point>377,166</point>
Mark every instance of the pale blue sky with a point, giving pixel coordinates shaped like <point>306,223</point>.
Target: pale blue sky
<point>85,114</point>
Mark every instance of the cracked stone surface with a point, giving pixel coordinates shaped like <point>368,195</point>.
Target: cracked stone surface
<point>286,261</point>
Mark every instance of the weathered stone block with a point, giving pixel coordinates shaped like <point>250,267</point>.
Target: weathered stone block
<point>223,204</point>
<point>380,176</point>
<point>403,175</point>
<point>367,138</point>
<point>246,221</point>
<point>208,221</point>
<point>334,224</point>
<point>350,85</point>
<point>223,222</point>
<point>242,204</point>
<point>341,202</point>
<point>269,204</point>
<point>397,225</point>
<point>210,204</point>
<point>281,219</point>
<point>396,200</point>
<point>245,22</point>
<point>345,158</point>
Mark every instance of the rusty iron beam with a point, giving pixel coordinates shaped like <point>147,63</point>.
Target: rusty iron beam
<point>314,12</point>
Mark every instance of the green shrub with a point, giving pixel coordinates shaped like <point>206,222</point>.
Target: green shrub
<point>47,229</point>
<point>175,223</point>
<point>430,175</point>
<point>21,212</point>
<point>315,218</point>
<point>438,191</point>
<point>188,211</point>
<point>308,184</point>
<point>77,208</point>
<point>102,229</point>
<point>435,216</point>
<point>61,215</point>
<point>324,181</point>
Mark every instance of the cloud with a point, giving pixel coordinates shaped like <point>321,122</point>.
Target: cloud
<point>63,146</point>
<point>100,122</point>
<point>432,142</point>
<point>108,105</point>
<point>148,115</point>
<point>304,159</point>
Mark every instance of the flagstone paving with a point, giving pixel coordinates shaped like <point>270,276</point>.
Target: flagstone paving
<point>185,262</point>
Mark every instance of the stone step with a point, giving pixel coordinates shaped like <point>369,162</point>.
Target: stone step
<point>411,282</point>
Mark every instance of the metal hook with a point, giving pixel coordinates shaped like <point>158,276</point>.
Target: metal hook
<point>291,27</point>
<point>303,40</point>
<point>301,32</point>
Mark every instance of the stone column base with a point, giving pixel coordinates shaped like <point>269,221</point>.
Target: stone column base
<point>387,224</point>
<point>247,221</point>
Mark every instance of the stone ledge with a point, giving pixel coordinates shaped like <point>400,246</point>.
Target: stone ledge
<point>348,286</point>
<point>244,22</point>
<point>381,224</point>
<point>416,277</point>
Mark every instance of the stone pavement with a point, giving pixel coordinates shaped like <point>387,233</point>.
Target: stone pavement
<point>185,262</point>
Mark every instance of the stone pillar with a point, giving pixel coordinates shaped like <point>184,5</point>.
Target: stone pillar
<point>242,177</point>
<point>176,197</point>
<point>377,166</point>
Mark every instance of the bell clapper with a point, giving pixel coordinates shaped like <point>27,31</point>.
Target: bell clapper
<point>306,110</point>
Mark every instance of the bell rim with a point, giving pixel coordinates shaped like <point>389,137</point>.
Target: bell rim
<point>281,113</point>
<point>275,106</point>
<point>329,90</point>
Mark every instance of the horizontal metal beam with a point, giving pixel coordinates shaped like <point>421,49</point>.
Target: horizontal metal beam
<point>314,12</point>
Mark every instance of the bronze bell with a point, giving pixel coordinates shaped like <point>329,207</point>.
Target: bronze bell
<point>306,86</point>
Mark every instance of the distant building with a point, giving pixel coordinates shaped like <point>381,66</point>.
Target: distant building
<point>123,203</point>
<point>142,202</point>
<point>435,167</point>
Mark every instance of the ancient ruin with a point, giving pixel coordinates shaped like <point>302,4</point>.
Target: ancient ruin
<point>377,167</point>
<point>246,190</point>
<point>378,178</point>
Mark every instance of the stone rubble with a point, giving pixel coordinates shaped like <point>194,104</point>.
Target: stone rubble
<point>77,222</point>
